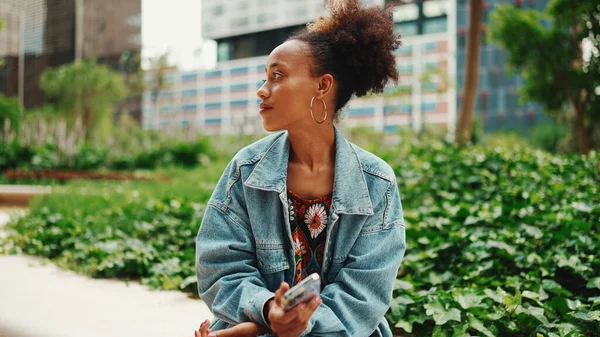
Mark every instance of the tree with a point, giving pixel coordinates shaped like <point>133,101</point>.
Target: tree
<point>1,27</point>
<point>10,118</point>
<point>86,93</point>
<point>465,117</point>
<point>546,49</point>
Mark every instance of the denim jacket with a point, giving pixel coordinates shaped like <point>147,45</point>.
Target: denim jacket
<point>244,246</point>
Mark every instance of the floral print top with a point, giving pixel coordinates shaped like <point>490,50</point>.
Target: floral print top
<point>308,220</point>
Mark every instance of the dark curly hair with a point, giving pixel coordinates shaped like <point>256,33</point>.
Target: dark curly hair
<point>356,46</point>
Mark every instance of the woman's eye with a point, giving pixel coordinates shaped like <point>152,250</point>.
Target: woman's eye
<point>276,75</point>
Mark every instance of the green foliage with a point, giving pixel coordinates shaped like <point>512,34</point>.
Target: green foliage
<point>548,136</point>
<point>87,91</point>
<point>10,112</point>
<point>561,79</point>
<point>95,156</point>
<point>501,242</point>
<point>128,230</point>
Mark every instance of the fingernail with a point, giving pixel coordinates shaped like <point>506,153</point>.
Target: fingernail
<point>318,301</point>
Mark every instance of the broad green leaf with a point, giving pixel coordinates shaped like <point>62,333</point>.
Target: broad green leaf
<point>407,326</point>
<point>593,283</point>
<point>440,315</point>
<point>461,331</point>
<point>555,288</point>
<point>502,245</point>
<point>399,284</point>
<point>479,326</point>
<point>530,294</point>
<point>497,296</point>
<point>468,300</point>
<point>438,331</point>
<point>574,305</point>
<point>587,315</point>
<point>403,299</point>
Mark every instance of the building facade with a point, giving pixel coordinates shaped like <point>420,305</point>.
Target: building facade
<point>431,63</point>
<point>223,100</point>
<point>497,100</point>
<point>56,32</point>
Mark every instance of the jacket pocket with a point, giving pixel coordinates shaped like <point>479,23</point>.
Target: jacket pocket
<point>271,259</point>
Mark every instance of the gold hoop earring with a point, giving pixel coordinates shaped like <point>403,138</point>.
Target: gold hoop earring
<point>313,115</point>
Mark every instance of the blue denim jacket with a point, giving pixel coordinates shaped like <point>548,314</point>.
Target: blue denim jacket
<point>244,245</point>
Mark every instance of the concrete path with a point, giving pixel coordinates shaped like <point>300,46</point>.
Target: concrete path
<point>42,300</point>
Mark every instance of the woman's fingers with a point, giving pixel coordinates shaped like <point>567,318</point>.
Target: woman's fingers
<point>203,330</point>
<point>280,292</point>
<point>241,330</point>
<point>311,307</point>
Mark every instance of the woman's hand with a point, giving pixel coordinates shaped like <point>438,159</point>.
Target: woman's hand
<point>241,330</point>
<point>290,323</point>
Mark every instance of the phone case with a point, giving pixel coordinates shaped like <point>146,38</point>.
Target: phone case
<point>302,292</point>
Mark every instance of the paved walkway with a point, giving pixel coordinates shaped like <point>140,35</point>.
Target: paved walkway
<point>42,300</point>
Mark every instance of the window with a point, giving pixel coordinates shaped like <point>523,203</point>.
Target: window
<point>212,121</point>
<point>406,12</point>
<point>212,90</point>
<point>189,77</point>
<point>361,111</point>
<point>433,8</point>
<point>239,87</point>
<point>217,10</point>
<point>405,69</point>
<point>428,107</point>
<point>213,74</point>
<point>406,29</point>
<point>437,25</point>
<point>239,103</point>
<point>214,105</point>
<point>189,92</point>
<point>225,51</point>
<point>430,46</point>
<point>188,107</point>
<point>239,71</point>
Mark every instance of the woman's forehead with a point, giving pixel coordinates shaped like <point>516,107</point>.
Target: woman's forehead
<point>290,54</point>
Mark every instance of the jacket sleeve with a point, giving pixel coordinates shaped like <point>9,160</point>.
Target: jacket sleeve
<point>228,279</point>
<point>356,301</point>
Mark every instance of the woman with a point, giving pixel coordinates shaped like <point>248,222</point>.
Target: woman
<point>306,200</point>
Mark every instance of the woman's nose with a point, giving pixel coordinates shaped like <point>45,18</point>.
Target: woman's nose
<point>263,92</point>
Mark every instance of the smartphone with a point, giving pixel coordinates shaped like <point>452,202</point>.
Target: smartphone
<point>302,292</point>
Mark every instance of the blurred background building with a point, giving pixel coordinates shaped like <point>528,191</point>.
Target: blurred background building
<point>39,34</point>
<point>49,33</point>
<point>431,63</point>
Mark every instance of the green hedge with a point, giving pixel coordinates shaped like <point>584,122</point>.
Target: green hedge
<point>499,242</point>
<point>96,156</point>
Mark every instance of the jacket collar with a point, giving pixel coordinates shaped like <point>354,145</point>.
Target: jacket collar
<point>350,192</point>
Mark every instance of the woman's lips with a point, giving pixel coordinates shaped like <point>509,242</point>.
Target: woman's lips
<point>264,107</point>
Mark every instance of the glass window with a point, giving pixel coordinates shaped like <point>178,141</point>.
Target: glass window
<point>225,51</point>
<point>361,111</point>
<point>214,73</point>
<point>427,107</point>
<point>406,29</point>
<point>214,105</point>
<point>189,92</point>
<point>243,102</point>
<point>217,10</point>
<point>406,12</point>
<point>433,8</point>
<point>239,71</point>
<point>212,90</point>
<point>239,22</point>
<point>188,107</point>
<point>189,77</point>
<point>212,121</point>
<point>239,87</point>
<point>437,25</point>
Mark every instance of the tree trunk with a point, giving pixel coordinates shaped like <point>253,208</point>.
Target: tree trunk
<point>465,118</point>
<point>582,137</point>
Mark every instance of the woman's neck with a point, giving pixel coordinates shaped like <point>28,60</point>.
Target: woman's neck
<point>312,148</point>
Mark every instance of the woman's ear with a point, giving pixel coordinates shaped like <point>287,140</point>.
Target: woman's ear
<point>326,83</point>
